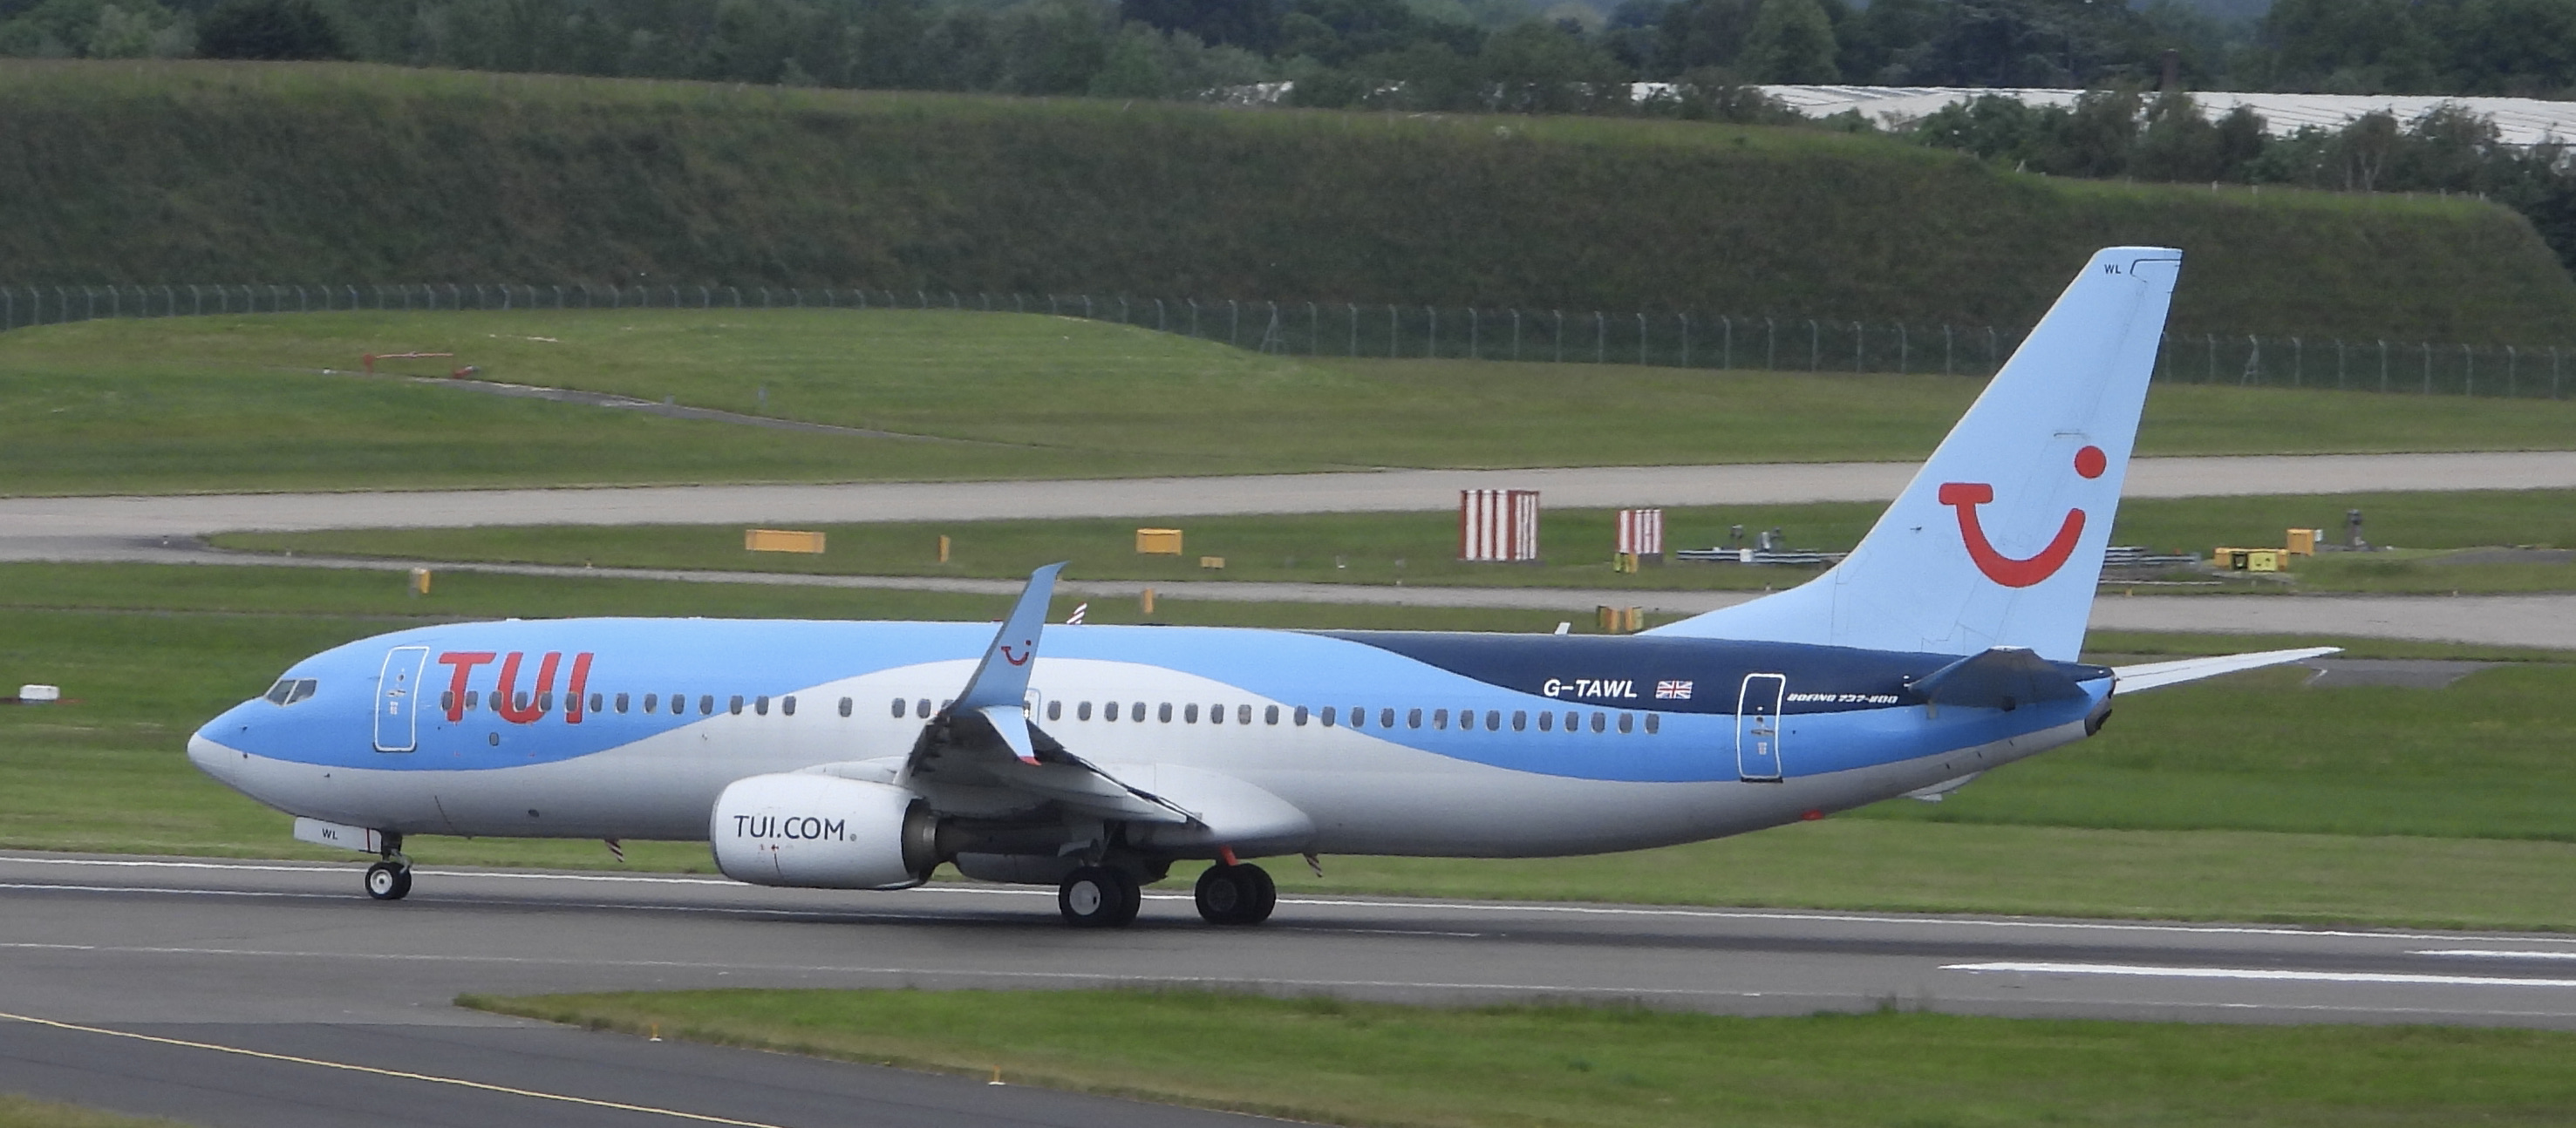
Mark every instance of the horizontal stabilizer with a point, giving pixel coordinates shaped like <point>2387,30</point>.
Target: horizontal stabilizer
<point>2005,677</point>
<point>2157,675</point>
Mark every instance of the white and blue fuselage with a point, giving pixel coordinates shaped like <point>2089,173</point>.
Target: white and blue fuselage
<point>1390,743</point>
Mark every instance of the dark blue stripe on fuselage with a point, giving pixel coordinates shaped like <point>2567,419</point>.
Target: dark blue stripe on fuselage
<point>1678,675</point>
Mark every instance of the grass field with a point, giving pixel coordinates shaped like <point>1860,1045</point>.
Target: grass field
<point>244,403</point>
<point>28,1112</point>
<point>2249,798</point>
<point>1341,1062</point>
<point>1382,548</point>
<point>151,171</point>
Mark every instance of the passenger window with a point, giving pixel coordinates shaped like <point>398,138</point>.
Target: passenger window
<point>1627,722</point>
<point>1600,721</point>
<point>1328,716</point>
<point>622,703</point>
<point>546,701</point>
<point>1440,718</point>
<point>1055,710</point>
<point>706,704</point>
<point>898,708</point>
<point>1520,721</point>
<point>1493,720</point>
<point>787,706</point>
<point>1166,712</point>
<point>447,701</point>
<point>1082,712</point>
<point>1243,715</point>
<point>1216,714</point>
<point>1573,721</point>
<point>1413,718</point>
<point>1189,714</point>
<point>473,697</point>
<point>521,701</point>
<point>1547,722</point>
<point>1359,716</point>
<point>649,701</point>
<point>845,706</point>
<point>1269,714</point>
<point>1466,720</point>
<point>759,705</point>
<point>1301,714</point>
<point>1109,712</point>
<point>1386,718</point>
<point>921,708</point>
<point>734,706</point>
<point>1654,723</point>
<point>595,700</point>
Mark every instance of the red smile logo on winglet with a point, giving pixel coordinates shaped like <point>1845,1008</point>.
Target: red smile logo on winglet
<point>2002,569</point>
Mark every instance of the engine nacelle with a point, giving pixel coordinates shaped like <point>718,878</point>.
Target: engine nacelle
<point>823,832</point>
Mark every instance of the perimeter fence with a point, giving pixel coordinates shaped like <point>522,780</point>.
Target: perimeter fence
<point>1356,329</point>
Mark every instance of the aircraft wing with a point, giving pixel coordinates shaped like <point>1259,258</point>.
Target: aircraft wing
<point>2157,675</point>
<point>985,740</point>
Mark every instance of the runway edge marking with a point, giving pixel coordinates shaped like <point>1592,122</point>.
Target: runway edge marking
<point>399,1074</point>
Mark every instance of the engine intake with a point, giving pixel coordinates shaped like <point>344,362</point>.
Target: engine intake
<point>823,832</point>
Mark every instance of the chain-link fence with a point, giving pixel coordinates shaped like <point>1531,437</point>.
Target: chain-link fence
<point>1352,329</point>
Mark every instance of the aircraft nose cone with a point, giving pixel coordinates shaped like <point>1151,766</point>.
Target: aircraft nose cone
<point>211,755</point>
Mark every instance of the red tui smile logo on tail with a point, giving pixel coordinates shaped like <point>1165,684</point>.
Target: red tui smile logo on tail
<point>2005,570</point>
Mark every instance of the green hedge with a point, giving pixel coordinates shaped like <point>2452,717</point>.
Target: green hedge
<point>213,172</point>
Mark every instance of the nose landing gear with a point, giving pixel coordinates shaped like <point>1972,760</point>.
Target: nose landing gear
<point>390,879</point>
<point>1241,893</point>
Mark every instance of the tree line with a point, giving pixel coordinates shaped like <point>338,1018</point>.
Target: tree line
<point>1685,58</point>
<point>1348,52</point>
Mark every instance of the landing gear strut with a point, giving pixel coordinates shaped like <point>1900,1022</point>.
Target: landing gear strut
<point>1099,897</point>
<point>390,879</point>
<point>1237,894</point>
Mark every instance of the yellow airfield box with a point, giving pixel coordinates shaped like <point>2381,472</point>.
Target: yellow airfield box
<point>2252,559</point>
<point>2303,542</point>
<point>780,540</point>
<point>1158,542</point>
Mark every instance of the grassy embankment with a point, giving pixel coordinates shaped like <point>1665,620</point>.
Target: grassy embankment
<point>1421,548</point>
<point>28,1112</point>
<point>2251,798</point>
<point>153,172</point>
<point>242,403</point>
<point>1341,1062</point>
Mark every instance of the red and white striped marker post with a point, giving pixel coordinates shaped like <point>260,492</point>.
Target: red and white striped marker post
<point>1498,525</point>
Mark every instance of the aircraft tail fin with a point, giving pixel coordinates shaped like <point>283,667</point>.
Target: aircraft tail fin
<point>1998,541</point>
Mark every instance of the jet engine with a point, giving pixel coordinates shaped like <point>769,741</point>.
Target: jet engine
<point>823,832</point>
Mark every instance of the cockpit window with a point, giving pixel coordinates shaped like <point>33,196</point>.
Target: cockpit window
<point>288,691</point>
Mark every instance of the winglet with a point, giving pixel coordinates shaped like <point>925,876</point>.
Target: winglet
<point>1000,686</point>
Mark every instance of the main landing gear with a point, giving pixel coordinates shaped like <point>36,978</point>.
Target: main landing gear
<point>390,879</point>
<point>1241,893</point>
<point>1099,897</point>
<point>1108,896</point>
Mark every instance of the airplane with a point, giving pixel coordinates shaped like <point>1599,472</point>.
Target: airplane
<point>862,755</point>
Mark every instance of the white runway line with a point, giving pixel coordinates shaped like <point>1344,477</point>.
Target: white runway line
<point>2262,973</point>
<point>2493,955</point>
<point>1494,908</point>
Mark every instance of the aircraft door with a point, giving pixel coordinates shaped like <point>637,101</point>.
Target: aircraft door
<point>398,699</point>
<point>1757,726</point>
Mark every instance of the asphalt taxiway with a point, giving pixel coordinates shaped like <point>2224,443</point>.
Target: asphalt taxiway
<point>279,995</point>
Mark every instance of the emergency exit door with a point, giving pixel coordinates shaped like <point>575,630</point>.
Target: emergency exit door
<point>398,699</point>
<point>1757,726</point>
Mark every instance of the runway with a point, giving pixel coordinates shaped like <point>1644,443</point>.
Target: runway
<point>79,519</point>
<point>289,959</point>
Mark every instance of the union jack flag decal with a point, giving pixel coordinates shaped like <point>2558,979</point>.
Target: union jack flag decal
<point>1672,690</point>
